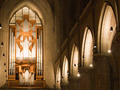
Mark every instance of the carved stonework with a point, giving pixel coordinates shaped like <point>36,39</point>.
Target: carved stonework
<point>101,58</point>
<point>86,70</point>
<point>73,79</point>
<point>64,87</point>
<point>117,38</point>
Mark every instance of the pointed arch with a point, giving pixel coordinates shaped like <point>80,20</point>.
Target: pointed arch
<point>65,71</point>
<point>58,77</point>
<point>107,28</point>
<point>74,61</point>
<point>87,48</point>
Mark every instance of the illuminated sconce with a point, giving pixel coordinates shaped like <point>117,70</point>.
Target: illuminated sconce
<point>1,44</point>
<point>91,65</point>
<point>83,57</point>
<point>3,55</point>
<point>95,46</point>
<point>0,26</point>
<point>111,29</point>
<point>67,72</point>
<point>78,75</point>
<point>109,51</point>
<point>75,65</point>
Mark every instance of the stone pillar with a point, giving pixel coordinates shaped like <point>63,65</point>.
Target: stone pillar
<point>74,83</point>
<point>86,78</point>
<point>116,60</point>
<point>102,71</point>
<point>64,87</point>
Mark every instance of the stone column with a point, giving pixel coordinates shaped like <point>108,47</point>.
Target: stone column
<point>64,87</point>
<point>86,78</point>
<point>116,60</point>
<point>74,83</point>
<point>102,71</point>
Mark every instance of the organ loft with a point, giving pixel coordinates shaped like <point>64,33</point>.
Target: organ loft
<point>26,49</point>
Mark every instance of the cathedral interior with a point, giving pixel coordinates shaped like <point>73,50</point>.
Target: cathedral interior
<point>59,44</point>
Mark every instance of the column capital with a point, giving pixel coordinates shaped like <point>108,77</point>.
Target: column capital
<point>101,57</point>
<point>73,79</point>
<point>86,70</point>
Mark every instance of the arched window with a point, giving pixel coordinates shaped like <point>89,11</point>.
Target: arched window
<point>58,78</point>
<point>108,29</point>
<point>74,61</point>
<point>26,47</point>
<point>87,48</point>
<point>65,71</point>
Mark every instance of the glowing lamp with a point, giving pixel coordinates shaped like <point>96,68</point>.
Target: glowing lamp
<point>0,26</point>
<point>95,46</point>
<point>109,51</point>
<point>91,65</point>
<point>78,75</point>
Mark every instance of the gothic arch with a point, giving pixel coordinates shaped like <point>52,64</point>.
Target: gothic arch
<point>107,28</point>
<point>87,48</point>
<point>42,8</point>
<point>65,71</point>
<point>58,77</point>
<point>74,61</point>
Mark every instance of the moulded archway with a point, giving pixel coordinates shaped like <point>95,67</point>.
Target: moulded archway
<point>65,71</point>
<point>107,29</point>
<point>74,61</point>
<point>42,8</point>
<point>58,78</point>
<point>87,48</point>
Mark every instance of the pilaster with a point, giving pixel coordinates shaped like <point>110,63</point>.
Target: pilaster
<point>102,71</point>
<point>86,78</point>
<point>74,83</point>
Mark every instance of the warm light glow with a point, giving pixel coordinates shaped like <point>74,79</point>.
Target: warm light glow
<point>108,29</point>
<point>109,51</point>
<point>78,75</point>
<point>88,49</point>
<point>65,71</point>
<point>0,26</point>
<point>91,65</point>
<point>95,46</point>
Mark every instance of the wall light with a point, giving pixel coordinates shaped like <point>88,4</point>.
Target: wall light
<point>91,65</point>
<point>78,75</point>
<point>75,65</point>
<point>95,46</point>
<point>109,51</point>
<point>111,29</point>
<point>83,57</point>
<point>0,26</point>
<point>3,55</point>
<point>1,44</point>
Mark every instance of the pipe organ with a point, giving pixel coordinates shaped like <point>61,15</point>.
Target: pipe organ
<point>26,62</point>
